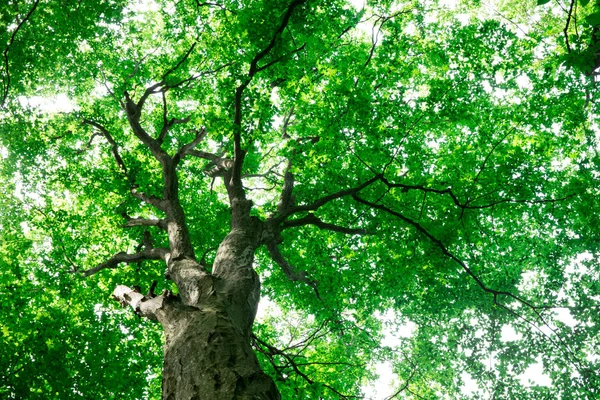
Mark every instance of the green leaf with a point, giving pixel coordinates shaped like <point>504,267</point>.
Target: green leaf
<point>584,2</point>
<point>542,2</point>
<point>593,19</point>
<point>478,144</point>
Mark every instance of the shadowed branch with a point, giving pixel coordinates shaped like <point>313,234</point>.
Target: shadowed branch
<point>495,293</point>
<point>312,219</point>
<point>288,270</point>
<point>114,146</point>
<point>326,199</point>
<point>122,257</point>
<point>271,352</point>
<point>186,148</point>
<point>6,79</point>
<point>239,154</point>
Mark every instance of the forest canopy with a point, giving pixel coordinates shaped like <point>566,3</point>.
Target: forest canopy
<point>410,188</point>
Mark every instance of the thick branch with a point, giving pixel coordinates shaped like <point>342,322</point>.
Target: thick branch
<point>206,155</point>
<point>131,222</point>
<point>217,166</point>
<point>134,112</point>
<point>185,149</point>
<point>150,200</point>
<point>122,257</point>
<point>143,305</point>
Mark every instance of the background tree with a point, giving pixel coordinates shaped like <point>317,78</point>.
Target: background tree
<point>413,170</point>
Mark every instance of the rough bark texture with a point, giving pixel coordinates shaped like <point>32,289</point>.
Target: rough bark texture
<point>207,357</point>
<point>207,350</point>
<point>207,353</point>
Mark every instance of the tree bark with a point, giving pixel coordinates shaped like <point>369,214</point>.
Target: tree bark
<point>208,324</point>
<point>207,357</point>
<point>207,352</point>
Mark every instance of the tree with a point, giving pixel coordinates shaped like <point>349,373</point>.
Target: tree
<point>366,169</point>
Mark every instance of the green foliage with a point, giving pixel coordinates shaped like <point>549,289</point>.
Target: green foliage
<point>490,135</point>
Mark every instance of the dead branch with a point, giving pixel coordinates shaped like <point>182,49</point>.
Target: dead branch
<point>146,306</point>
<point>131,222</point>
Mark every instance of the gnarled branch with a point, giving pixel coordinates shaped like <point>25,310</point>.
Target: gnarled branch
<point>186,148</point>
<point>143,305</point>
<point>122,257</point>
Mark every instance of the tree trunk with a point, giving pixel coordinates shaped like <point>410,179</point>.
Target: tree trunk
<point>208,324</point>
<point>207,357</point>
<point>208,327</point>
